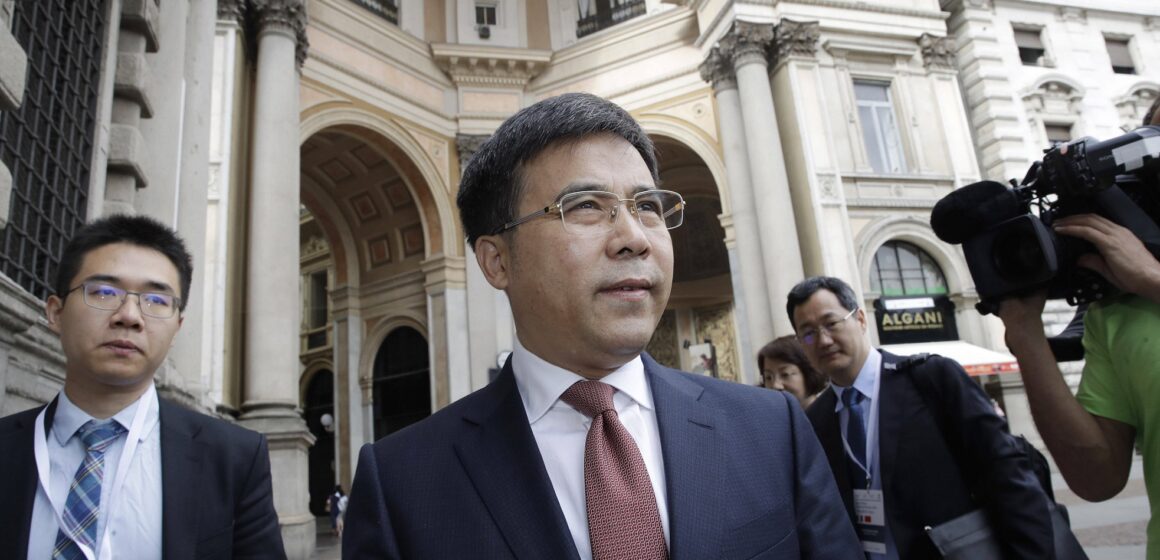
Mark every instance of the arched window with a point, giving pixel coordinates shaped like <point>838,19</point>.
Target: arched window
<point>902,269</point>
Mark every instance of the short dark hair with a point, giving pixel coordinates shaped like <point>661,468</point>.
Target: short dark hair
<point>787,349</point>
<point>142,231</point>
<point>806,288</point>
<point>490,189</point>
<point>1151,111</point>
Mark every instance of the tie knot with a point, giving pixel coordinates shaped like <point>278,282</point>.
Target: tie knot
<point>851,397</point>
<point>98,437</point>
<point>591,398</point>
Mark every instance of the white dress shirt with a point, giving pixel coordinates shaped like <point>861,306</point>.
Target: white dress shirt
<point>868,382</point>
<point>135,532</point>
<point>561,432</point>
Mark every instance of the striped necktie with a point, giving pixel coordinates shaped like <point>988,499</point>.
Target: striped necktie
<point>83,504</point>
<point>856,438</point>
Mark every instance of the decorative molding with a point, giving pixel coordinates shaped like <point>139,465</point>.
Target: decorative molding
<point>490,66</point>
<point>863,6</point>
<point>467,145</point>
<point>795,38</point>
<point>938,53</point>
<point>287,14</point>
<point>231,10</point>
<point>1071,13</point>
<point>746,43</point>
<point>717,69</point>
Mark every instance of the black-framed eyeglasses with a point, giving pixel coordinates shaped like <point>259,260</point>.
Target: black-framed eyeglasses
<point>594,212</point>
<point>809,336</point>
<point>107,297</point>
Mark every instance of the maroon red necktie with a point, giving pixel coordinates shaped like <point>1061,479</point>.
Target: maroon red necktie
<point>623,520</point>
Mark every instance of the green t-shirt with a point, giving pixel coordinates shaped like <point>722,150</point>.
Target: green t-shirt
<point>1121,381</point>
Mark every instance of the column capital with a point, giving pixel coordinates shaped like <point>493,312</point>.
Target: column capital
<point>746,43</point>
<point>231,10</point>
<point>717,69</point>
<point>283,15</point>
<point>467,145</point>
<point>795,38</point>
<point>938,53</point>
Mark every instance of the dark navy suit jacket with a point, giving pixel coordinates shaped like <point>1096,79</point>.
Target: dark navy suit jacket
<point>217,498</point>
<point>745,477</point>
<point>928,476</point>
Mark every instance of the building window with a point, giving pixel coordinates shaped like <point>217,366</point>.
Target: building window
<point>485,14</point>
<point>596,15</point>
<point>386,9</point>
<point>879,127</point>
<point>1057,133</point>
<point>1121,56</point>
<point>317,310</point>
<point>902,269</point>
<point>1030,43</point>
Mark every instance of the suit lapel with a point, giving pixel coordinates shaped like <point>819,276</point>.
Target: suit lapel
<point>19,482</point>
<point>691,446</point>
<point>890,417</point>
<point>180,457</point>
<point>500,445</point>
<point>830,435</point>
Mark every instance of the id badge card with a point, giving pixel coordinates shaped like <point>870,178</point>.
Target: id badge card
<point>870,520</point>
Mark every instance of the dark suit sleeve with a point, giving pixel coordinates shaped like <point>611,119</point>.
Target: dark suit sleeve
<point>823,525</point>
<point>256,530</point>
<point>1000,473</point>
<point>367,531</point>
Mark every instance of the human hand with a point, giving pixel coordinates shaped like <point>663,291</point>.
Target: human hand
<point>1023,317</point>
<point>1122,258</point>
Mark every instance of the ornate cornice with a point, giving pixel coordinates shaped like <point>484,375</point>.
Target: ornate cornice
<point>938,53</point>
<point>795,38</point>
<point>287,14</point>
<point>717,69</point>
<point>490,66</point>
<point>467,145</point>
<point>746,42</point>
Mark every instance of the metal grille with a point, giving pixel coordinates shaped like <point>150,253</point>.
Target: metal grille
<point>386,9</point>
<point>607,13</point>
<point>47,142</point>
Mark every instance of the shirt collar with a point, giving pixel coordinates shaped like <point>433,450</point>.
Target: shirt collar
<point>867,380</point>
<point>541,383</point>
<point>69,417</point>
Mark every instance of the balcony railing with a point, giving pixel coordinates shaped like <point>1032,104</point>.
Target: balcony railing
<point>607,18</point>
<point>386,9</point>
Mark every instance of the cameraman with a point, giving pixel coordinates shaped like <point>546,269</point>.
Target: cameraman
<point>1091,435</point>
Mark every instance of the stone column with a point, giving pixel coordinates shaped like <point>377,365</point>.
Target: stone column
<point>131,103</point>
<point>746,46</point>
<point>750,299</point>
<point>271,363</point>
<point>446,284</point>
<point>13,66</point>
<point>348,422</point>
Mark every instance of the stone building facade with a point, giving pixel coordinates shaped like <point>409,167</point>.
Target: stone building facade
<point>309,152</point>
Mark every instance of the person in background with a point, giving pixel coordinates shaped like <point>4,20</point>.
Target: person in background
<point>785,367</point>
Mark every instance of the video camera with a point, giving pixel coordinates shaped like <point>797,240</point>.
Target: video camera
<point>1006,232</point>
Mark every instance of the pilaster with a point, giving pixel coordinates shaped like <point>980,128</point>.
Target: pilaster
<point>132,102</point>
<point>13,67</point>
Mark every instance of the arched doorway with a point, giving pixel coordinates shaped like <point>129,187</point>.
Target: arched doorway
<point>318,411</point>
<point>402,381</point>
<point>698,321</point>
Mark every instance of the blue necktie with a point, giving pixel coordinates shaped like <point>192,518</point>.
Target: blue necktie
<point>856,438</point>
<point>83,504</point>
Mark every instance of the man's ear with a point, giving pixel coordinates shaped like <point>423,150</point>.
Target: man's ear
<point>493,254</point>
<point>52,308</point>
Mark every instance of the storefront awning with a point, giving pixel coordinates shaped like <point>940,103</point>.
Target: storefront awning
<point>975,359</point>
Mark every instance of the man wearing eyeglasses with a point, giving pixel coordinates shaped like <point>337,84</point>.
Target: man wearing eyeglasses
<point>912,443</point>
<point>584,447</point>
<point>107,469</point>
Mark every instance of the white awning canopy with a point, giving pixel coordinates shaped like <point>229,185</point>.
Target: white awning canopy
<point>975,359</point>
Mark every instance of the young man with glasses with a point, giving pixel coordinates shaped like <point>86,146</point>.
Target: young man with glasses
<point>584,447</point>
<point>912,442</point>
<point>108,469</point>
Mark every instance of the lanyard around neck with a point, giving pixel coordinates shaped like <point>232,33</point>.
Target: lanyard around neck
<point>44,470</point>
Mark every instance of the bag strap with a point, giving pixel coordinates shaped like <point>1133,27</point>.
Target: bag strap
<point>932,398</point>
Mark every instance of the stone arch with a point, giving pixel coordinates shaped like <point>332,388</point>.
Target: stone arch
<point>395,143</point>
<point>1045,80</point>
<point>915,231</point>
<point>312,369</point>
<point>343,249</point>
<point>687,135</point>
<point>375,337</point>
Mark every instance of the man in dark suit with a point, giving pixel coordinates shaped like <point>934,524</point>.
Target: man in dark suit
<point>107,469</point>
<point>584,447</point>
<point>901,462</point>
